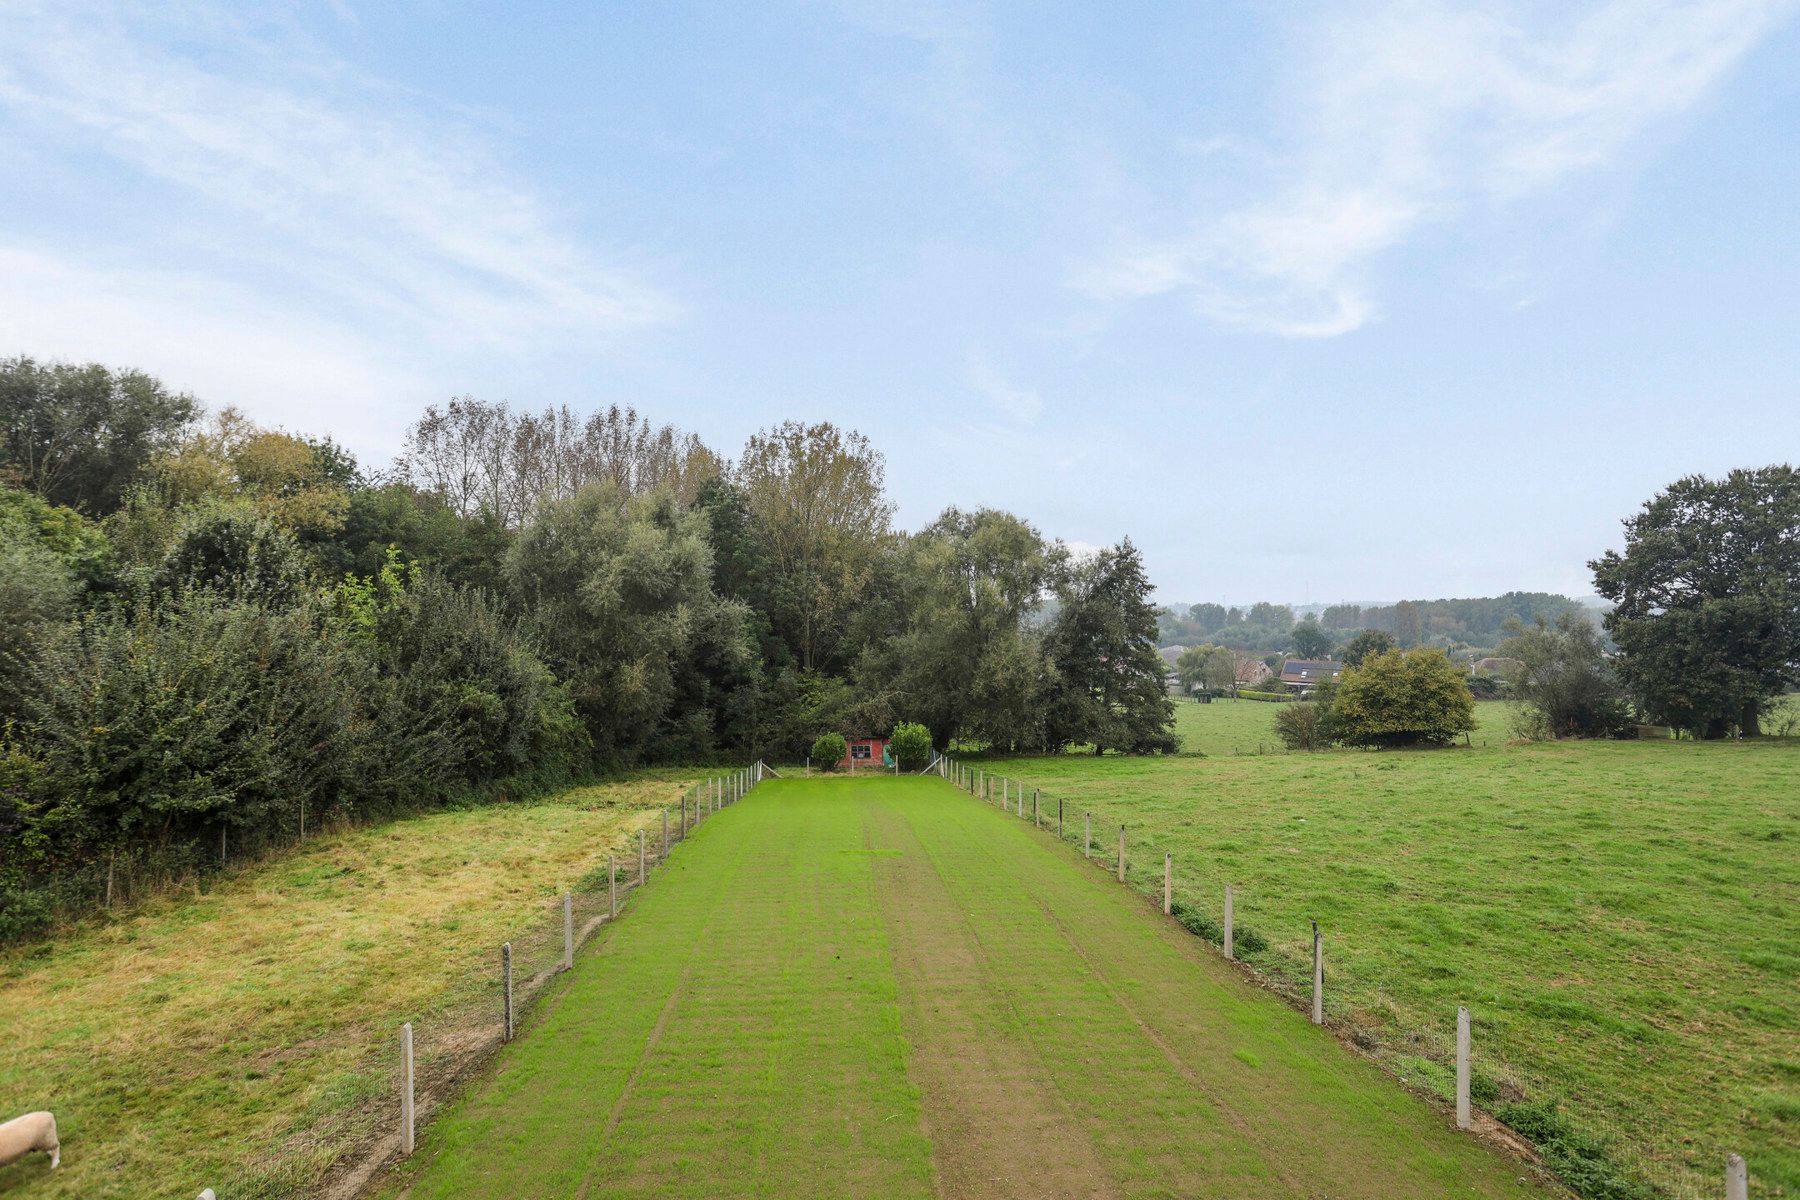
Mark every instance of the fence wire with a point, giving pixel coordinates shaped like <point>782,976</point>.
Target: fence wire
<point>1604,1139</point>
<point>354,1129</point>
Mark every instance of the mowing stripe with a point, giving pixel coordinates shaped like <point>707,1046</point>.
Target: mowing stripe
<point>879,988</point>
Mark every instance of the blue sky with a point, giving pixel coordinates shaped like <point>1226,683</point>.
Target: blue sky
<point>1314,301</point>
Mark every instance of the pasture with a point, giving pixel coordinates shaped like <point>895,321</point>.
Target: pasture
<point>1232,727</point>
<point>1619,917</point>
<point>187,1041</point>
<point>877,987</point>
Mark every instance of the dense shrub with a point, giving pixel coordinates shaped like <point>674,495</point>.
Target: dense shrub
<point>452,664</point>
<point>1566,686</point>
<point>912,744</point>
<point>234,550</point>
<point>1303,726</point>
<point>158,726</point>
<point>828,750</point>
<point>1411,698</point>
<point>1273,697</point>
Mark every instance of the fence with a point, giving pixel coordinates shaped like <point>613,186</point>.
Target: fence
<point>1600,1139</point>
<point>398,1075</point>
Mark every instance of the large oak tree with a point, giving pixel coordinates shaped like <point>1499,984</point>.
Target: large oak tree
<point>1707,598</point>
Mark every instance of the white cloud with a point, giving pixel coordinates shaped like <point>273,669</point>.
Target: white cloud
<point>262,166</point>
<point>1021,405</point>
<point>220,342</point>
<point>1416,109</point>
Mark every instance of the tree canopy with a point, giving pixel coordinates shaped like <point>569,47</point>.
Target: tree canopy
<point>1706,597</point>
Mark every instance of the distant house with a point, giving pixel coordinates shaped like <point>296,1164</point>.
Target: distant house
<point>1304,674</point>
<point>1251,671</point>
<point>1500,668</point>
<point>1171,680</point>
<point>864,752</point>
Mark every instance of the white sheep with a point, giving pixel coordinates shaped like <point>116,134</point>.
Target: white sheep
<point>33,1131</point>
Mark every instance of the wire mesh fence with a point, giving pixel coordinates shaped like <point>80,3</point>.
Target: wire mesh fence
<point>1535,1085</point>
<point>356,1127</point>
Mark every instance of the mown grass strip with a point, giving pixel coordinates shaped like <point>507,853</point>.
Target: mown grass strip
<point>812,1000</point>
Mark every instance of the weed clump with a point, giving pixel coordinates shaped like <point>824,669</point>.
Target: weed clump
<point>1579,1160</point>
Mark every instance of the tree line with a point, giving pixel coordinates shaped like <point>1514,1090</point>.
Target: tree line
<point>1470,627</point>
<point>212,632</point>
<point>1704,634</point>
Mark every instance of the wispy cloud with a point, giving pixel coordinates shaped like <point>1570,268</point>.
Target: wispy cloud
<point>1415,110</point>
<point>344,203</point>
<point>1019,404</point>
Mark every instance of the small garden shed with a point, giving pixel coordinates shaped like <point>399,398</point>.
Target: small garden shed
<point>864,752</point>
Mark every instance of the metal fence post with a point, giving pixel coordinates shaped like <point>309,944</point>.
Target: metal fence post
<point>640,857</point>
<point>665,849</point>
<point>1059,818</point>
<point>1087,847</point>
<point>1168,883</point>
<point>1121,854</point>
<point>1318,1011</point>
<point>506,987</point>
<point>1037,812</point>
<point>1228,953</point>
<point>612,886</point>
<point>406,1089</point>
<point>1737,1178</point>
<point>1462,1067</point>
<point>568,930</point>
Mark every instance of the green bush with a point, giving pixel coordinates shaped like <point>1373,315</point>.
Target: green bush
<point>1303,726</point>
<point>1272,697</point>
<point>911,744</point>
<point>828,750</point>
<point>1415,698</point>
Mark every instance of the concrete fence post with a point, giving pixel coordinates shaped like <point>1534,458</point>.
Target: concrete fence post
<point>1121,854</point>
<point>1737,1178</point>
<point>1228,953</point>
<point>1318,1007</point>
<point>1462,1067</point>
<point>640,858</point>
<point>506,1010</point>
<point>612,886</point>
<point>406,1089</point>
<point>568,930</point>
<point>1168,883</point>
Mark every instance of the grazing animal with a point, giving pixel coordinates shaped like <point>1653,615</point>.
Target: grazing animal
<point>33,1131</point>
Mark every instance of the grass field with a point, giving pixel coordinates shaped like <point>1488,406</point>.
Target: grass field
<point>879,988</point>
<point>1227,727</point>
<point>180,1042</point>
<point>1620,917</point>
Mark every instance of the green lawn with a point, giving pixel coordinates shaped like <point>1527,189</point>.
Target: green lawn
<point>880,988</point>
<point>1227,727</point>
<point>1623,919</point>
